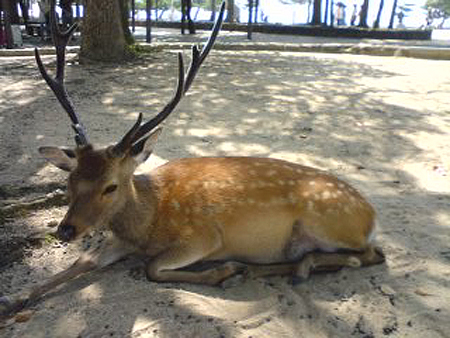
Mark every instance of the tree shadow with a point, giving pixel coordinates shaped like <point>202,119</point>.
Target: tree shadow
<point>272,101</point>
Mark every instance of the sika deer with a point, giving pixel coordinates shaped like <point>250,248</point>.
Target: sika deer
<point>257,215</point>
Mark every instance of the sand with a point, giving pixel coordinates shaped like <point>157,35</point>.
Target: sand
<point>381,124</point>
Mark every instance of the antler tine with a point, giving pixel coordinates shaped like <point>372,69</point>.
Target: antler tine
<point>182,87</point>
<point>162,115</point>
<point>61,39</point>
<point>198,58</point>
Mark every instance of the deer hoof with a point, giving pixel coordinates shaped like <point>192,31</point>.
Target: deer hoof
<point>9,307</point>
<point>298,279</point>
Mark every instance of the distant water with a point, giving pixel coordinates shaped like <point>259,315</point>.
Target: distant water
<point>441,34</point>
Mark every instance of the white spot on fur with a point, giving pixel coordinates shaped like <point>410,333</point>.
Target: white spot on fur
<point>176,205</point>
<point>310,205</point>
<point>312,182</point>
<point>261,184</point>
<point>292,198</point>
<point>329,184</point>
<point>271,172</point>
<point>326,195</point>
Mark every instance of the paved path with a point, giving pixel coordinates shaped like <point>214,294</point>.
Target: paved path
<point>171,38</point>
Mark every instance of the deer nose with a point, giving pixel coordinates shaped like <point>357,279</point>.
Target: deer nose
<point>66,232</point>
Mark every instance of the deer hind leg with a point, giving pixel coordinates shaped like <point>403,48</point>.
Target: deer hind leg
<point>97,258</point>
<point>318,262</point>
<point>329,262</point>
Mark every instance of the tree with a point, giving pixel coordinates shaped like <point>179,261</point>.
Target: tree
<point>213,10</point>
<point>317,13</point>
<point>231,15</point>
<point>438,9</point>
<point>5,8</point>
<point>103,31</point>
<point>376,23</point>
<point>363,14</point>
<point>186,7</point>
<point>66,8</point>
<point>394,9</point>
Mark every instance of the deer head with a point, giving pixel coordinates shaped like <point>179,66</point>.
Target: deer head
<point>100,180</point>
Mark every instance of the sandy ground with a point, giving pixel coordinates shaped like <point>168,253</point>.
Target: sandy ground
<point>380,123</point>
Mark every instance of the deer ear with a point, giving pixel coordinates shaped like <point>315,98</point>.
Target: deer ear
<point>62,158</point>
<point>141,150</point>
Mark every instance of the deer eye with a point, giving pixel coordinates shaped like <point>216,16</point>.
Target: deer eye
<point>109,189</point>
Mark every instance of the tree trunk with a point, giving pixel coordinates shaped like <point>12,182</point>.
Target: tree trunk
<point>230,11</point>
<point>11,7</point>
<point>103,38</point>
<point>5,4</point>
<point>376,24</point>
<point>327,9</point>
<point>250,15</point>
<point>363,14</point>
<point>148,21</point>
<point>66,9</point>
<point>317,13</point>
<point>124,12</point>
<point>24,7</point>
<point>394,9</point>
<point>186,7</point>
<point>309,11</point>
<point>213,10</point>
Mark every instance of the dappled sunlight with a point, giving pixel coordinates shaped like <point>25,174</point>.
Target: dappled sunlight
<point>92,294</point>
<point>379,123</point>
<point>428,176</point>
<point>142,323</point>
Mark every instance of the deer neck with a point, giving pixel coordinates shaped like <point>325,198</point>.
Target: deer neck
<point>134,223</point>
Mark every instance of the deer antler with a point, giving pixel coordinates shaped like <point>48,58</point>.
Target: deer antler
<point>61,39</point>
<point>138,131</point>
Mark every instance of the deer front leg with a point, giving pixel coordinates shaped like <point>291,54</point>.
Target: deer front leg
<point>164,268</point>
<point>97,258</point>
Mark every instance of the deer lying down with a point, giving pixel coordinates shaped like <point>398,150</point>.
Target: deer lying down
<point>256,215</point>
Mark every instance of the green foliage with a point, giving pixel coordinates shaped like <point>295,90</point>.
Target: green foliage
<point>51,238</point>
<point>166,4</point>
<point>441,6</point>
<point>294,2</point>
<point>162,4</point>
